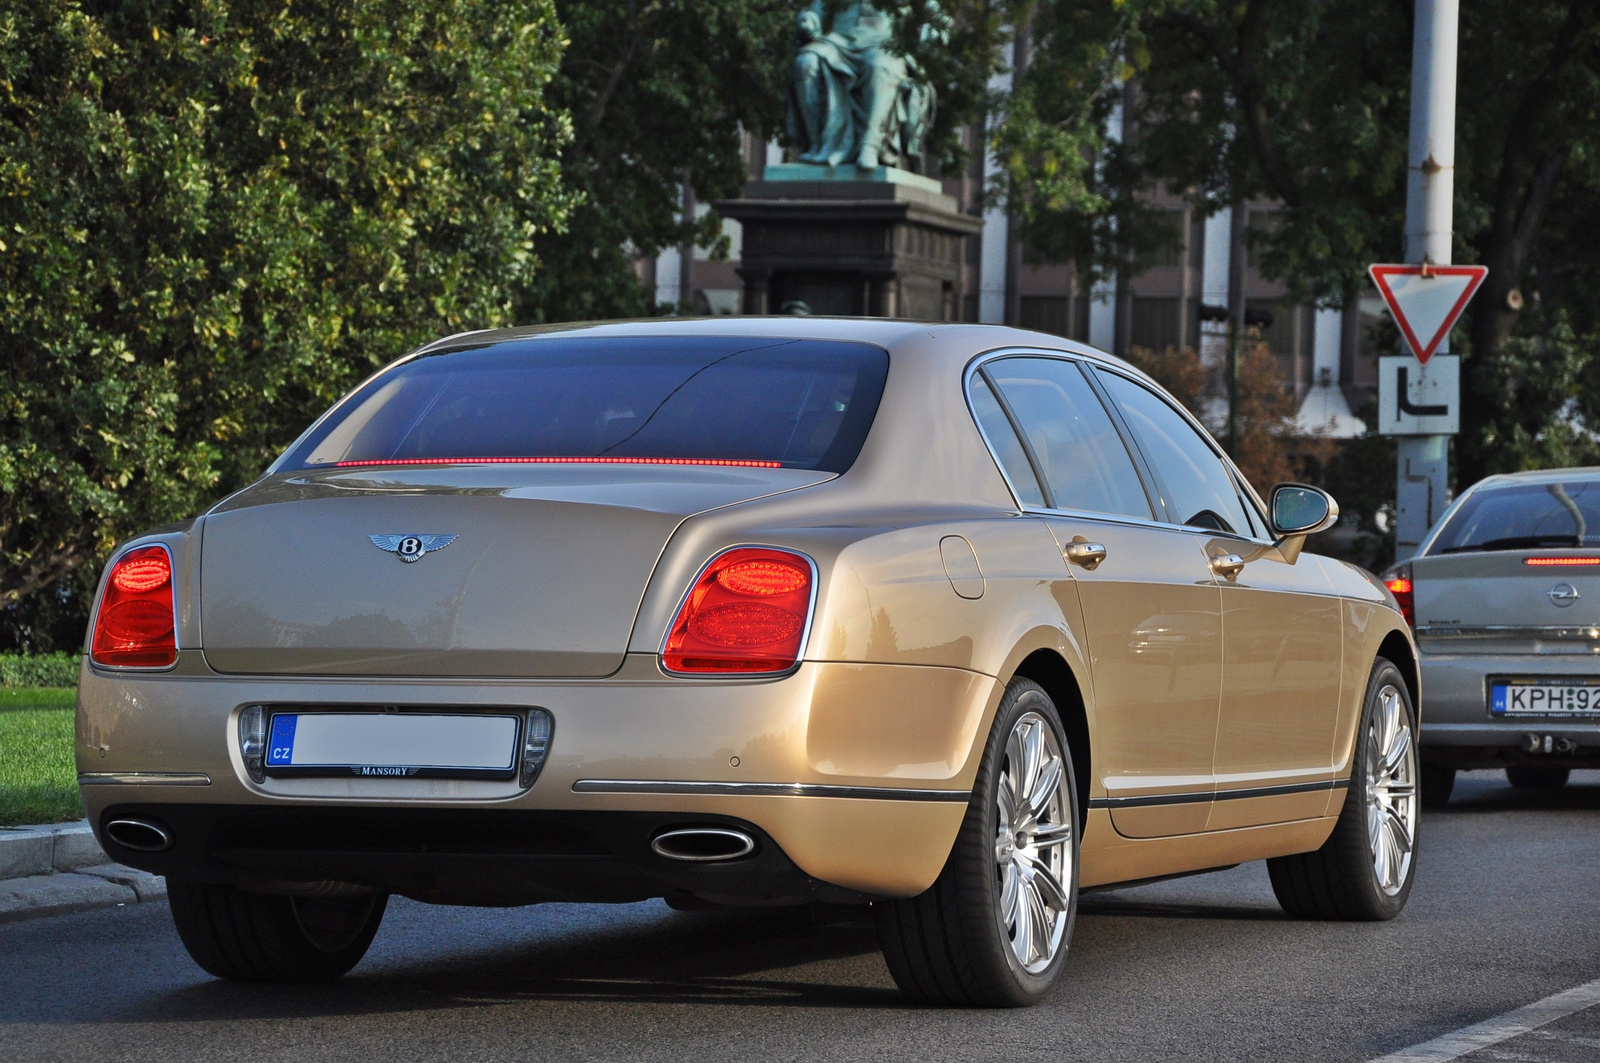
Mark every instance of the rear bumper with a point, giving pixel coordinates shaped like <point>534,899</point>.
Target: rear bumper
<point>850,777</point>
<point>1458,729</point>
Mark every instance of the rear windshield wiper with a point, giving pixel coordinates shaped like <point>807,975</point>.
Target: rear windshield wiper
<point>1518,542</point>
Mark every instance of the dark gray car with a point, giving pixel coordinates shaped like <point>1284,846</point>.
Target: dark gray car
<point>1504,595</point>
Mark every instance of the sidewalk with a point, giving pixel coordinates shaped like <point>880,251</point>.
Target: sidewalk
<point>58,868</point>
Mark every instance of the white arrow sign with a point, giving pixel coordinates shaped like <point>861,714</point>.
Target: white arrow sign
<point>1426,300</point>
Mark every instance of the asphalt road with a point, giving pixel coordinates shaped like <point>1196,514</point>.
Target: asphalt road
<point>1506,911</point>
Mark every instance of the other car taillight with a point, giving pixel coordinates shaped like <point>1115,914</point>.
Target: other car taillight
<point>746,613</point>
<point>134,627</point>
<point>1398,580</point>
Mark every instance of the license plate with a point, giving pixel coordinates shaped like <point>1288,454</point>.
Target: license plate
<point>1545,697</point>
<point>392,745</point>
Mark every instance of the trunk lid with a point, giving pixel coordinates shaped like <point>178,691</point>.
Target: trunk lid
<point>1496,602</point>
<point>543,577</point>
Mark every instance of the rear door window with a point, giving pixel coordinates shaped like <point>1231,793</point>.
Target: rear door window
<point>1007,447</point>
<point>801,404</point>
<point>1077,448</point>
<point>1196,485</point>
<point>1524,517</point>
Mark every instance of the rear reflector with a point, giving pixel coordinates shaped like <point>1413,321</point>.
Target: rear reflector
<point>134,626</point>
<point>1549,562</point>
<point>746,614</point>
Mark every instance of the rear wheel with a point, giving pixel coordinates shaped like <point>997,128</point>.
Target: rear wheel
<point>1365,869</point>
<point>252,937</point>
<point>993,930</point>
<point>1528,777</point>
<point>1438,782</point>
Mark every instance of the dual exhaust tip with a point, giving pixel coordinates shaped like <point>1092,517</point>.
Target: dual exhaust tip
<point>703,845</point>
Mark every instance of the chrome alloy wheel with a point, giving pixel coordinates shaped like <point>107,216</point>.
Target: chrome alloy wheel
<point>1391,792</point>
<point>1033,843</point>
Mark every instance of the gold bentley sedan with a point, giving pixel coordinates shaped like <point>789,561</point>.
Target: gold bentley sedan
<point>954,621</point>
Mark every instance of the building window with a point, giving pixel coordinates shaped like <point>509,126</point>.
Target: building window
<point>1154,323</point>
<point>1047,313</point>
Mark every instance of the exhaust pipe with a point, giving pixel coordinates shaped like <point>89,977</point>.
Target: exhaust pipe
<point>703,844</point>
<point>144,835</point>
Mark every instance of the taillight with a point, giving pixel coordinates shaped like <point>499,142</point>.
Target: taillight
<point>1399,583</point>
<point>134,626</point>
<point>746,613</point>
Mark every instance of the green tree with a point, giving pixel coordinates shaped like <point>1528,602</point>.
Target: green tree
<point>1307,103</point>
<point>217,215</point>
<point>661,93</point>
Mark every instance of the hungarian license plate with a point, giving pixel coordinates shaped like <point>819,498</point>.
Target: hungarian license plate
<point>1545,697</point>
<point>392,745</point>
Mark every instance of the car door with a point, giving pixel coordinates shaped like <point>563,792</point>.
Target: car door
<point>1281,628</point>
<point>1151,609</point>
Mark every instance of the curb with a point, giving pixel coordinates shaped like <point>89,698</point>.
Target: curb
<point>57,868</point>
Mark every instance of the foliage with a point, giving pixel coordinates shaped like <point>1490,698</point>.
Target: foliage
<point>1270,448</point>
<point>1305,105</point>
<point>38,779</point>
<point>38,670</point>
<point>216,215</point>
<point>662,93</point>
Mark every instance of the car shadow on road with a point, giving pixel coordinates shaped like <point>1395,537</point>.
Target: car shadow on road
<point>1488,791</point>
<point>745,958</point>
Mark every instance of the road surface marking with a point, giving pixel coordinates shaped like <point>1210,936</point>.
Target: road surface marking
<point>1500,1028</point>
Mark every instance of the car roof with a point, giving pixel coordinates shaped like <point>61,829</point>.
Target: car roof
<point>1539,476</point>
<point>955,340</point>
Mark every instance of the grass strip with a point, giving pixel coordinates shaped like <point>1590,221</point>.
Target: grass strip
<point>38,778</point>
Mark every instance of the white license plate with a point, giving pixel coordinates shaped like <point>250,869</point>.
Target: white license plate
<point>1578,697</point>
<point>392,745</point>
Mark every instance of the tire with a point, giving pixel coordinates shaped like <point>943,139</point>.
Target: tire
<point>958,943</point>
<point>252,937</point>
<point>1364,871</point>
<point>1530,777</point>
<point>1438,782</point>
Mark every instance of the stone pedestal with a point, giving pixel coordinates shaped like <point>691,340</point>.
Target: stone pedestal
<point>889,245</point>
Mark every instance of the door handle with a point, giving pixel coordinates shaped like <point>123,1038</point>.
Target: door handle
<point>1085,554</point>
<point>1227,566</point>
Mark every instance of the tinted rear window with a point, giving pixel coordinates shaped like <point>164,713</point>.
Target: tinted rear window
<point>1523,517</point>
<point>799,404</point>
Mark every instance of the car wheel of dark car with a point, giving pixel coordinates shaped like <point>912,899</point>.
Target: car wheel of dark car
<point>252,937</point>
<point>994,929</point>
<point>1365,869</point>
<point>1526,777</point>
<point>1438,782</point>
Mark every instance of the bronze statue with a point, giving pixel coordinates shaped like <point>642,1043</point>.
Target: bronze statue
<point>852,97</point>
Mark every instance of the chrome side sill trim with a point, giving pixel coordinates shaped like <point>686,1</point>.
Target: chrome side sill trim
<point>1479,631</point>
<point>144,778</point>
<point>1143,800</point>
<point>762,789</point>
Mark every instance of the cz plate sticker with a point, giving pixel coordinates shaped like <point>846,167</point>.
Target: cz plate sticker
<point>280,747</point>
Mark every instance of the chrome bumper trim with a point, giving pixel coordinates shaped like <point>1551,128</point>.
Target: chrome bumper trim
<point>143,778</point>
<point>762,789</point>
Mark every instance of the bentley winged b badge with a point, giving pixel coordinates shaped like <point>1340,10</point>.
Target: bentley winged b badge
<point>410,548</point>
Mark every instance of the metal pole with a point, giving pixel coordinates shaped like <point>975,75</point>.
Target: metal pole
<point>1237,220</point>
<point>1422,479</point>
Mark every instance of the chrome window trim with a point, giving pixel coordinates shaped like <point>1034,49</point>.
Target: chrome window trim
<point>975,366</point>
<point>683,599</point>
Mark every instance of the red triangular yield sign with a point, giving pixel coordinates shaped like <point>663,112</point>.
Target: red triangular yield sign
<point>1426,300</point>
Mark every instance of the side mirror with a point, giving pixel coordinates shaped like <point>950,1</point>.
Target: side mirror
<point>1299,509</point>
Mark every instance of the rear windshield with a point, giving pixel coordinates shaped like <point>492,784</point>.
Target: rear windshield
<point>798,404</point>
<point>1523,517</point>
